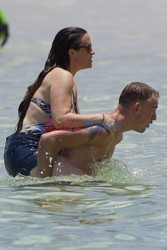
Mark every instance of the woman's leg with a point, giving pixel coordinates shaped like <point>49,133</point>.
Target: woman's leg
<point>63,167</point>
<point>47,153</point>
<point>51,143</point>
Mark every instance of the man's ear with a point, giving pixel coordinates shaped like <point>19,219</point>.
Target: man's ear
<point>137,107</point>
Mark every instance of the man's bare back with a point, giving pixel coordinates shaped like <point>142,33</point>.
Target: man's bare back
<point>84,157</point>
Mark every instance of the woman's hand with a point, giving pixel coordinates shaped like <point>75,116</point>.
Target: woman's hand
<point>108,122</point>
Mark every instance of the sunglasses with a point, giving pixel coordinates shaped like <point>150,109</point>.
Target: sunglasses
<point>88,47</point>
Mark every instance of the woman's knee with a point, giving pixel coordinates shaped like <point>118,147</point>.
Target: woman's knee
<point>46,138</point>
<point>46,141</point>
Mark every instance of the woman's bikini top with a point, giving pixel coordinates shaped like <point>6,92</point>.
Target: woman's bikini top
<point>39,128</point>
<point>46,107</point>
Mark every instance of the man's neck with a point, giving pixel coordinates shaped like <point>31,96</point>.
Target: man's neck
<point>124,118</point>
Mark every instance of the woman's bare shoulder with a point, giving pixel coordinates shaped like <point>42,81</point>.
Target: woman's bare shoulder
<point>60,73</point>
<point>59,76</point>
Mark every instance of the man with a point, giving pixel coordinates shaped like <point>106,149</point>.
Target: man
<point>76,152</point>
<point>4,29</point>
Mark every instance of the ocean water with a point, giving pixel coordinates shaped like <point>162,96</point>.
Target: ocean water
<point>124,207</point>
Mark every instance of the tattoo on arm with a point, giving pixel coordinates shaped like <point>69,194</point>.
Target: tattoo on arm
<point>94,131</point>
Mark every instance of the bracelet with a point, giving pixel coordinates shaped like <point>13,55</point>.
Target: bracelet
<point>102,119</point>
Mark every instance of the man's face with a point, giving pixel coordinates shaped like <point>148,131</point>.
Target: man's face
<point>147,114</point>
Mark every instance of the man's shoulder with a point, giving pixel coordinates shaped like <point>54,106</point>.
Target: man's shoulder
<point>97,134</point>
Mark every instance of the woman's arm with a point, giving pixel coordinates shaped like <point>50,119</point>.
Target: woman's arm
<point>61,87</point>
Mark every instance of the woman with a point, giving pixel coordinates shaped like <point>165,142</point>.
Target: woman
<point>52,97</point>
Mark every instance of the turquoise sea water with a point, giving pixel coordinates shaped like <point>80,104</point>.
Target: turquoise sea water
<point>124,207</point>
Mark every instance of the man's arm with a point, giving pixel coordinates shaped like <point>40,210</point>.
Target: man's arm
<point>51,143</point>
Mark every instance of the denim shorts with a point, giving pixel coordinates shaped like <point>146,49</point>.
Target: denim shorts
<point>20,154</point>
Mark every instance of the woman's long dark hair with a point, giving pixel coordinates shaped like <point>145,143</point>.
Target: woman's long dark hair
<point>65,39</point>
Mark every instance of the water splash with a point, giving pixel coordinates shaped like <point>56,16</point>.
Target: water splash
<point>110,171</point>
<point>115,171</point>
